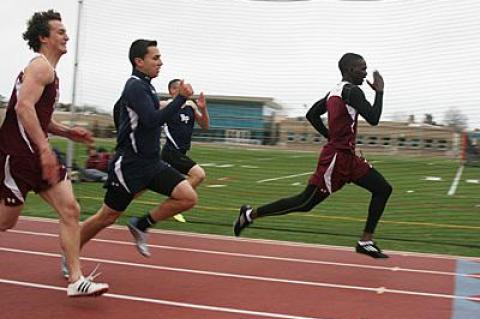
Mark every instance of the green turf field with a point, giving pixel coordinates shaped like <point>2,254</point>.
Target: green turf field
<point>420,215</point>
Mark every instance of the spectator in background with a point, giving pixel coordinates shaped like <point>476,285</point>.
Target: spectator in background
<point>96,167</point>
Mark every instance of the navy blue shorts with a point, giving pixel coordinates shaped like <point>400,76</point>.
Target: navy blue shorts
<point>180,161</point>
<point>130,175</point>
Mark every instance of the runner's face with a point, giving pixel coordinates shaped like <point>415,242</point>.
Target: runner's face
<point>151,62</point>
<point>58,38</point>
<point>358,72</point>
<point>174,88</point>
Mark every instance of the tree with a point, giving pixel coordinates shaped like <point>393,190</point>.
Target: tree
<point>455,119</point>
<point>428,119</point>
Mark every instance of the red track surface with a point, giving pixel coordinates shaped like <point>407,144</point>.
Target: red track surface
<point>195,276</point>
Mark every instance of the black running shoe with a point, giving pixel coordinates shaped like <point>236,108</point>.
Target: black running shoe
<point>241,222</point>
<point>369,248</point>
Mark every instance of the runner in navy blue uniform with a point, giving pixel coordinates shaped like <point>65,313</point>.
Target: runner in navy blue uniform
<point>179,130</point>
<point>137,166</point>
<point>27,161</point>
<point>338,164</point>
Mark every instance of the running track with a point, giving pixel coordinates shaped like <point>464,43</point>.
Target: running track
<point>217,277</point>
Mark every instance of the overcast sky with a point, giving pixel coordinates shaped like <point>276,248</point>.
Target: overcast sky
<point>426,50</point>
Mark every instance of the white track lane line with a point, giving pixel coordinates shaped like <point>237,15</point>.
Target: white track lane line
<point>164,302</point>
<point>264,257</point>
<point>249,277</point>
<point>266,241</point>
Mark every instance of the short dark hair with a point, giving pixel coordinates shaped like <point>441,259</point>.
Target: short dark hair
<point>38,27</point>
<point>171,83</point>
<point>347,61</point>
<point>139,49</point>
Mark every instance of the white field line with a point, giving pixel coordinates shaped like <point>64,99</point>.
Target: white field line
<point>164,302</point>
<point>265,241</point>
<point>282,177</point>
<point>264,257</point>
<point>453,187</point>
<point>379,290</point>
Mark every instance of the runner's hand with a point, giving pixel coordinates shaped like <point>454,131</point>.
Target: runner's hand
<point>377,84</point>
<point>81,135</point>
<point>50,166</point>
<point>201,102</point>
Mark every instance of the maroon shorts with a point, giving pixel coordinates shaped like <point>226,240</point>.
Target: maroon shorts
<point>21,174</point>
<point>335,168</point>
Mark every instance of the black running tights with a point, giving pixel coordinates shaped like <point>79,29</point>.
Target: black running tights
<point>302,202</point>
<point>311,196</point>
<point>381,190</point>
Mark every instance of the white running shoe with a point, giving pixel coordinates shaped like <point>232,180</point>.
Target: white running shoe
<point>64,267</point>
<point>139,236</point>
<point>85,287</point>
<point>179,218</point>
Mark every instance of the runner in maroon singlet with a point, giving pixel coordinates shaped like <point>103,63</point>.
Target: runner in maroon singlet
<point>27,161</point>
<point>338,164</point>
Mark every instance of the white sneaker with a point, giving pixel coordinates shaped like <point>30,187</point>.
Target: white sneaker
<point>179,218</point>
<point>85,286</point>
<point>139,236</point>
<point>64,267</point>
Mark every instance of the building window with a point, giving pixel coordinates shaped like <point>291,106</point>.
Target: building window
<point>442,144</point>
<point>302,137</point>
<point>428,143</point>
<point>291,137</point>
<point>360,139</point>
<point>317,139</point>
<point>414,143</point>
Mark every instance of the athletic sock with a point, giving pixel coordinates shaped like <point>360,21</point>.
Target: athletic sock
<point>145,222</point>
<point>248,214</point>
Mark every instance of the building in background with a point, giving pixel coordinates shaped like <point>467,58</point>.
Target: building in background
<point>240,119</point>
<point>388,137</point>
<point>260,121</point>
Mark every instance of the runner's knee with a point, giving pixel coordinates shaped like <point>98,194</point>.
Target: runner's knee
<point>70,213</point>
<point>200,174</point>
<point>7,224</point>
<point>388,190</point>
<point>188,198</point>
<point>384,191</point>
<point>9,216</point>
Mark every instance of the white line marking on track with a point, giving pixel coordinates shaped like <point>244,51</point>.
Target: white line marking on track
<point>282,177</point>
<point>263,257</point>
<point>164,302</point>
<point>266,241</point>
<point>453,187</point>
<point>257,278</point>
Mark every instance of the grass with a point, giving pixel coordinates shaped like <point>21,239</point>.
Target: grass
<point>419,217</point>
